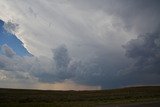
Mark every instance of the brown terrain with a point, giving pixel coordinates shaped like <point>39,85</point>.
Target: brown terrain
<point>157,104</point>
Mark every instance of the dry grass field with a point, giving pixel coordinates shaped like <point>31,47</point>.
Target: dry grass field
<point>39,98</point>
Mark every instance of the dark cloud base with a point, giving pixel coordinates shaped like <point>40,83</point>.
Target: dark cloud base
<point>144,71</point>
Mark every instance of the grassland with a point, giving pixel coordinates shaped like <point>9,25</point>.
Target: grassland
<point>39,98</point>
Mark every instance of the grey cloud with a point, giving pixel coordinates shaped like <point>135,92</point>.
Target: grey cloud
<point>19,66</point>
<point>62,61</point>
<point>30,10</point>
<point>42,68</point>
<point>93,54</point>
<point>145,51</point>
<point>145,67</point>
<point>7,50</point>
<point>95,71</point>
<point>63,66</point>
<point>61,57</point>
<point>11,27</point>
<point>98,71</point>
<point>61,69</point>
<point>134,13</point>
<point>3,61</point>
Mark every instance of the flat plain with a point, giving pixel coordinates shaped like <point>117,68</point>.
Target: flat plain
<point>145,96</point>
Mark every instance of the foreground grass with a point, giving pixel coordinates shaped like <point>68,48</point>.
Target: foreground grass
<point>37,98</point>
<point>58,104</point>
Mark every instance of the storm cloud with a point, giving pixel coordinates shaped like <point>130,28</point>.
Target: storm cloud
<point>106,43</point>
<point>145,50</point>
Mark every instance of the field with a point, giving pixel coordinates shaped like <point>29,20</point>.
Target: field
<point>39,98</point>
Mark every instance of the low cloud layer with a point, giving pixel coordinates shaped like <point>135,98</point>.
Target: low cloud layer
<point>143,70</point>
<point>42,69</point>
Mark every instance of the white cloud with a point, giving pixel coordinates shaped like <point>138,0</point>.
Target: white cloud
<point>89,34</point>
<point>44,25</point>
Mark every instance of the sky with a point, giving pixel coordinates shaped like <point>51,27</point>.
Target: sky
<point>79,44</point>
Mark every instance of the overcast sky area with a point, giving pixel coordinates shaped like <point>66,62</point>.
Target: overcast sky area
<point>79,44</point>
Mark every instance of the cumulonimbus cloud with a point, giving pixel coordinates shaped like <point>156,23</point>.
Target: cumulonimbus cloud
<point>93,34</point>
<point>145,50</point>
<point>145,54</point>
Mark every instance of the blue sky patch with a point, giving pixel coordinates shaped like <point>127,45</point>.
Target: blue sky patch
<point>12,41</point>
